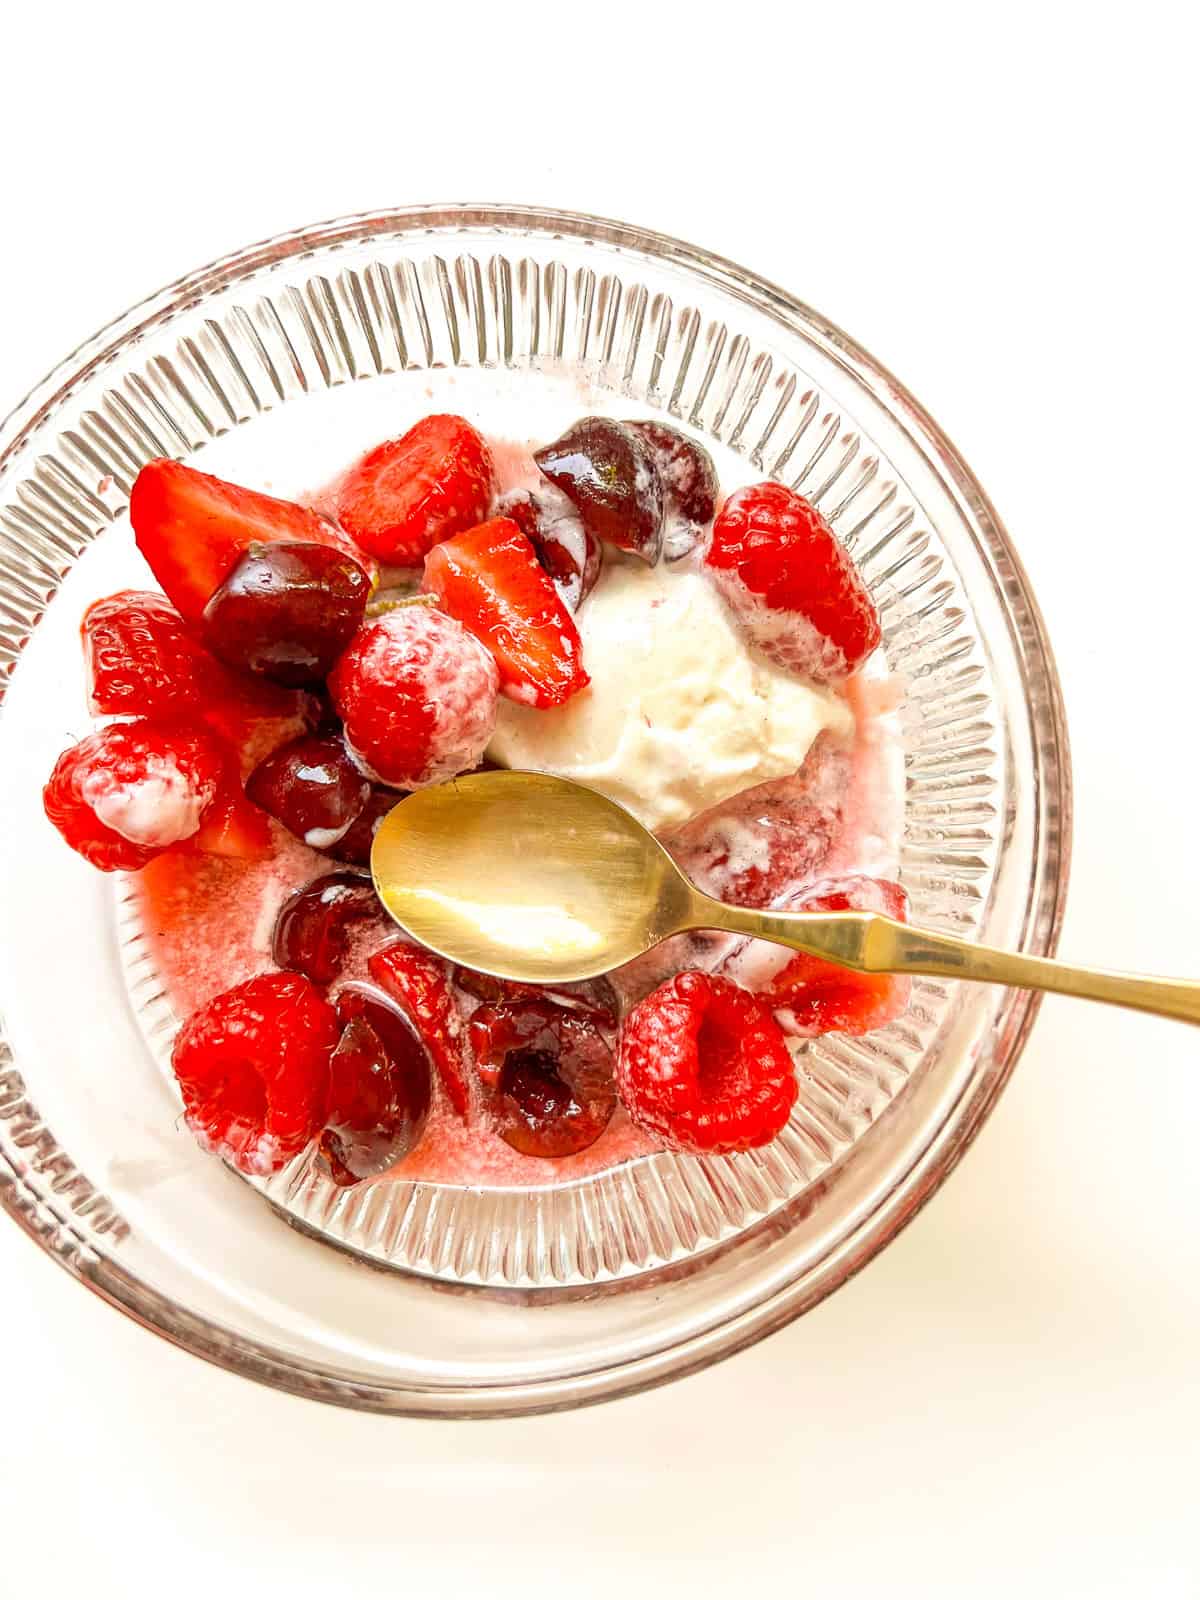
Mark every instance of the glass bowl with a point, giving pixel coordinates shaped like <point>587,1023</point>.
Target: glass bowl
<point>276,366</point>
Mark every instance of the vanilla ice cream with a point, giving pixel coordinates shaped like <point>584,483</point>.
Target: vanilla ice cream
<point>681,711</point>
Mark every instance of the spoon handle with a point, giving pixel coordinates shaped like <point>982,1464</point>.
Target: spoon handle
<point>871,942</point>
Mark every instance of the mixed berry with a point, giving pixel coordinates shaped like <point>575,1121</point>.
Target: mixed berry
<point>288,686</point>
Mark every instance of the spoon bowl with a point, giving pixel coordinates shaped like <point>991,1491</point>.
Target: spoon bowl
<point>527,876</point>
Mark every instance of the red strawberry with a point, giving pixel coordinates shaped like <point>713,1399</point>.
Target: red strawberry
<point>417,695</point>
<point>406,495</point>
<point>810,996</point>
<point>125,794</point>
<point>253,1067</point>
<point>489,578</point>
<point>141,660</point>
<point>420,983</point>
<point>705,1066</point>
<point>232,826</point>
<point>193,529</point>
<point>797,592</point>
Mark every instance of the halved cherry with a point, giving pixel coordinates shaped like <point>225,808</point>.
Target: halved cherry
<point>551,1072</point>
<point>380,1076</point>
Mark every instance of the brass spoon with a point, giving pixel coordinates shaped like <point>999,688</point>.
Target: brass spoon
<point>535,878</point>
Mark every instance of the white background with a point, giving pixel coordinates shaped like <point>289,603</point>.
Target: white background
<point>1001,206</point>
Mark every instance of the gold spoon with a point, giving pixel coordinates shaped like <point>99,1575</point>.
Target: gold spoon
<point>535,878</point>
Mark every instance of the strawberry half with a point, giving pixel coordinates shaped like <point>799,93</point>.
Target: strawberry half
<point>810,996</point>
<point>406,495</point>
<point>490,580</point>
<point>193,529</point>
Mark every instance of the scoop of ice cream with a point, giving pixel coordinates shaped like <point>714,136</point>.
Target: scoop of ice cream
<point>681,712</point>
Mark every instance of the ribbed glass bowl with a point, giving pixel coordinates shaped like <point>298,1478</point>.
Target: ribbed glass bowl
<point>277,365</point>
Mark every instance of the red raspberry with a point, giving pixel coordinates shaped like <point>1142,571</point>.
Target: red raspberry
<point>127,793</point>
<point>705,1066</point>
<point>420,983</point>
<point>406,495</point>
<point>253,1067</point>
<point>811,996</point>
<point>417,695</point>
<point>797,592</point>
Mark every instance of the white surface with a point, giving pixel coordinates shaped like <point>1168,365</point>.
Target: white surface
<point>999,204</point>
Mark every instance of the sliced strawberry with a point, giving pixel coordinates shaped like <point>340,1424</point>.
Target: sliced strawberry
<point>143,660</point>
<point>193,529</point>
<point>795,590</point>
<point>489,578</point>
<point>420,983</point>
<point>140,658</point>
<point>810,996</point>
<point>232,826</point>
<point>406,495</point>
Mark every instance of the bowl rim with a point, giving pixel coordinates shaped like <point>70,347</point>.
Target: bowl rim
<point>1044,909</point>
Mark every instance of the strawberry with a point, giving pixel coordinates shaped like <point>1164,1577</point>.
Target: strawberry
<point>232,826</point>
<point>406,495</point>
<point>795,590</point>
<point>193,530</point>
<point>143,660</point>
<point>420,984</point>
<point>810,996</point>
<point>489,579</point>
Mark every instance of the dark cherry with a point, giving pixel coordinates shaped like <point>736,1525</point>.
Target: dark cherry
<point>312,787</point>
<point>355,844</point>
<point>313,925</point>
<point>380,1078</point>
<point>567,551</point>
<point>607,471</point>
<point>594,997</point>
<point>551,1075</point>
<point>686,468</point>
<point>287,611</point>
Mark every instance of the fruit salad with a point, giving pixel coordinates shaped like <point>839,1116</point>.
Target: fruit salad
<point>591,605</point>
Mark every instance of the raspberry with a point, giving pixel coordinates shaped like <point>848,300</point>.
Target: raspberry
<point>552,1074</point>
<point>420,984</point>
<point>796,591</point>
<point>705,1066</point>
<point>810,996</point>
<point>417,695</point>
<point>406,495</point>
<point>123,795</point>
<point>253,1066</point>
